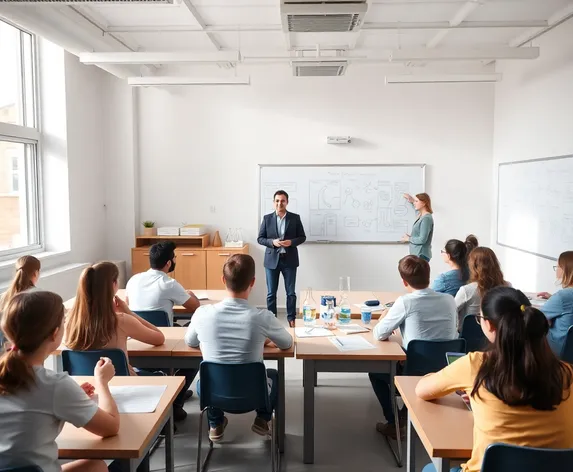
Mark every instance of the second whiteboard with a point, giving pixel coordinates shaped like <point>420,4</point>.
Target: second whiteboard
<point>346,203</point>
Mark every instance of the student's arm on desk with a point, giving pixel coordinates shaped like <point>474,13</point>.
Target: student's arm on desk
<point>191,336</point>
<point>192,302</point>
<point>456,376</point>
<point>179,296</point>
<point>276,332</point>
<point>393,319</point>
<point>141,330</point>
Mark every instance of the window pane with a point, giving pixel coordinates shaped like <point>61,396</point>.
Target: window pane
<point>18,190</point>
<point>29,95</point>
<point>11,76</point>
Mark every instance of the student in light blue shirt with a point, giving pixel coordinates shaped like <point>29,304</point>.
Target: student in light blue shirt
<point>559,307</point>
<point>420,238</point>
<point>455,254</point>
<point>420,314</point>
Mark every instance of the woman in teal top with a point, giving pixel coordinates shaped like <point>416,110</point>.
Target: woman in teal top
<point>559,307</point>
<point>420,238</point>
<point>455,254</point>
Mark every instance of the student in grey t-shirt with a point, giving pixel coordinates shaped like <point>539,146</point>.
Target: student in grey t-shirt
<point>235,332</point>
<point>35,402</point>
<point>420,314</point>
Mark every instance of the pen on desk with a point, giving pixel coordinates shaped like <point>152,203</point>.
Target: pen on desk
<point>308,330</point>
<point>339,342</point>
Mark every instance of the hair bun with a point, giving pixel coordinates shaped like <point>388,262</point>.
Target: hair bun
<point>536,324</point>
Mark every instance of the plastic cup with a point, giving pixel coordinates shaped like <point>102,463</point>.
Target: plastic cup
<point>366,315</point>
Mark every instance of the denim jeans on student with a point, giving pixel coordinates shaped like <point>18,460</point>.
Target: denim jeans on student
<point>189,376</point>
<point>430,468</point>
<point>215,416</point>
<point>289,276</point>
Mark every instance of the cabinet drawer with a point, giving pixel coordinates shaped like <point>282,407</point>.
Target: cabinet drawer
<point>190,269</point>
<point>215,262</point>
<point>139,260</point>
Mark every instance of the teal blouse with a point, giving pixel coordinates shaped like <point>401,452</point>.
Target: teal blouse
<point>421,237</point>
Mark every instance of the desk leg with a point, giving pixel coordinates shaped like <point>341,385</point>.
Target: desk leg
<point>144,466</point>
<point>281,405</point>
<point>441,465</point>
<point>308,430</point>
<point>412,437</point>
<point>169,447</point>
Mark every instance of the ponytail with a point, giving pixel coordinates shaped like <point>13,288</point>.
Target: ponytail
<point>26,268</point>
<point>29,320</point>
<point>459,251</point>
<point>520,368</point>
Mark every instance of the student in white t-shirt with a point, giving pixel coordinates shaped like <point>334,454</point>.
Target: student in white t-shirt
<point>26,278</point>
<point>36,402</point>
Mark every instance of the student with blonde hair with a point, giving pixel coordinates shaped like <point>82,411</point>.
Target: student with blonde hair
<point>559,307</point>
<point>26,278</point>
<point>36,402</point>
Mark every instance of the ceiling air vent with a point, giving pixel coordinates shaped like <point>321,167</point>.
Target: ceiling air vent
<point>318,68</point>
<point>334,16</point>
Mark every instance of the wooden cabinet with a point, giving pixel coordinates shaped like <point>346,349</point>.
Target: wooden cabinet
<point>198,266</point>
<point>216,258</point>
<point>190,268</point>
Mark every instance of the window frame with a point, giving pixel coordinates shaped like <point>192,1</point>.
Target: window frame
<point>31,138</point>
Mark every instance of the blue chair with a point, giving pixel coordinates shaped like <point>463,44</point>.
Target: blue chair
<point>567,351</point>
<point>424,357</point>
<point>24,468</point>
<point>84,362</point>
<point>504,457</point>
<point>157,318</point>
<point>473,334</point>
<point>235,389</point>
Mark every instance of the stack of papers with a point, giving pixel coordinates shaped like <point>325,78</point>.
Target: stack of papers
<point>192,230</point>
<point>201,295</point>
<point>168,231</point>
<point>311,332</point>
<point>352,328</point>
<point>351,343</point>
<point>137,398</point>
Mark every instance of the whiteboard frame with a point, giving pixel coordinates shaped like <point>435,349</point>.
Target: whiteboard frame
<point>421,166</point>
<point>525,161</point>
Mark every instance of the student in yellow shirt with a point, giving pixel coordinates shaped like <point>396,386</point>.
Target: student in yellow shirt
<point>520,392</point>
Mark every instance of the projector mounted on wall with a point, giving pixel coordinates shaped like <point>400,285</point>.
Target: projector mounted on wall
<point>338,139</point>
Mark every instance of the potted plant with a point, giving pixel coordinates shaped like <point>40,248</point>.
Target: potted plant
<point>149,228</point>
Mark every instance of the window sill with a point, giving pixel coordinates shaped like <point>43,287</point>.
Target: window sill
<point>44,256</point>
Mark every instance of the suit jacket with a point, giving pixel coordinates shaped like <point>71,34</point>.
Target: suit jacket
<point>293,232</point>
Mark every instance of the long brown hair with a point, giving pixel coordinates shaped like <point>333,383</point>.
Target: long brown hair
<point>425,198</point>
<point>485,269</point>
<point>26,268</point>
<point>565,261</point>
<point>92,322</point>
<point>459,251</point>
<point>29,319</point>
<point>520,368</point>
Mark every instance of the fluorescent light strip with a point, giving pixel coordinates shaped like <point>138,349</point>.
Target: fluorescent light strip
<point>169,81</point>
<point>156,57</point>
<point>449,54</point>
<point>442,78</point>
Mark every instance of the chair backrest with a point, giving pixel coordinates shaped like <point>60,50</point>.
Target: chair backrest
<point>504,457</point>
<point>424,357</point>
<point>234,388</point>
<point>24,468</point>
<point>567,351</point>
<point>84,362</point>
<point>157,318</point>
<point>473,334</point>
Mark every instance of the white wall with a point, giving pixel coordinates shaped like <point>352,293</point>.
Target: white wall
<point>533,118</point>
<point>201,146</point>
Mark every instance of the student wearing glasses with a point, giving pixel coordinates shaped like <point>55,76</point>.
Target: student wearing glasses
<point>455,254</point>
<point>559,307</point>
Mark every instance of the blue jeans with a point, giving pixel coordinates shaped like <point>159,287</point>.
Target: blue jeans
<point>430,468</point>
<point>289,275</point>
<point>215,416</point>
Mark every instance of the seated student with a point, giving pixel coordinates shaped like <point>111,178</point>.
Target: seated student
<point>234,332</point>
<point>36,402</point>
<point>26,278</point>
<point>559,308</point>
<point>485,274</point>
<point>519,391</point>
<point>455,254</point>
<point>420,314</point>
<point>155,290</point>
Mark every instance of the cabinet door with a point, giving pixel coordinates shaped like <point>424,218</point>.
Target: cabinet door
<point>215,262</point>
<point>139,260</point>
<point>190,270</point>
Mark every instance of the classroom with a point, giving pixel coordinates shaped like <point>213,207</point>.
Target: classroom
<point>373,199</point>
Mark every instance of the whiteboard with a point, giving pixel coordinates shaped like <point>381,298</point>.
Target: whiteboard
<point>535,206</point>
<point>346,204</point>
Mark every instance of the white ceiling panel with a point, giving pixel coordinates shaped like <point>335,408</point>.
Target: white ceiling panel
<point>411,12</point>
<point>172,41</point>
<point>483,36</point>
<point>138,15</point>
<point>518,10</point>
<point>254,41</point>
<point>237,14</point>
<point>394,39</point>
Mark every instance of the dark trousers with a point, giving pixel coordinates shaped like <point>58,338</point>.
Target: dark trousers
<point>289,276</point>
<point>381,386</point>
<point>215,416</point>
<point>189,376</point>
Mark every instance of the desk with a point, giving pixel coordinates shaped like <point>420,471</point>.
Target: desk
<point>354,297</point>
<point>137,432</point>
<point>445,426</point>
<point>320,355</point>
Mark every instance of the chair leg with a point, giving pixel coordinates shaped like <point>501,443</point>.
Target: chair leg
<point>201,467</point>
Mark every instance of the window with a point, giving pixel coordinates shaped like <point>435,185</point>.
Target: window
<point>20,215</point>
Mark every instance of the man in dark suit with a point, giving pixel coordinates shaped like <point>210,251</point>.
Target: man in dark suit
<point>281,232</point>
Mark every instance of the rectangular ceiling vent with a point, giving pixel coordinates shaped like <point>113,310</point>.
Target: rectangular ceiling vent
<point>334,16</point>
<point>72,2</point>
<point>319,68</point>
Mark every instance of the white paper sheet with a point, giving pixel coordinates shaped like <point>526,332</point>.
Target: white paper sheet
<point>352,328</point>
<point>351,343</point>
<point>201,295</point>
<point>137,398</point>
<point>310,332</point>
<point>373,309</point>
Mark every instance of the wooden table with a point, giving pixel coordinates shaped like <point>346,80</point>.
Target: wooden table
<point>137,432</point>
<point>354,297</point>
<point>445,426</point>
<point>320,355</point>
